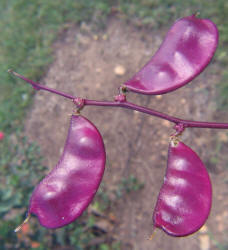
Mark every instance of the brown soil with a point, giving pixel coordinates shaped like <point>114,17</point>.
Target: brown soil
<point>85,62</point>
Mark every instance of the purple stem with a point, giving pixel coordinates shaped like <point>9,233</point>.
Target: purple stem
<point>128,105</point>
<point>38,86</point>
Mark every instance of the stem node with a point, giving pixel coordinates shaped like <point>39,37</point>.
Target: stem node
<point>79,102</point>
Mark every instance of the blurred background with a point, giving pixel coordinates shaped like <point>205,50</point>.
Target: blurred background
<point>88,49</point>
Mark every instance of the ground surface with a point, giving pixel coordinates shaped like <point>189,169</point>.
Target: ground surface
<point>85,65</point>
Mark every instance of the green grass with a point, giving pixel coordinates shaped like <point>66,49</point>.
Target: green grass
<point>28,29</point>
<point>21,164</point>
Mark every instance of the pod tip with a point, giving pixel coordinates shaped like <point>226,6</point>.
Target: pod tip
<point>151,237</point>
<point>196,14</point>
<point>17,229</point>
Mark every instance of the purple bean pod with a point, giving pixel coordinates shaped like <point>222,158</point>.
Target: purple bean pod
<point>187,49</point>
<point>184,201</point>
<point>69,188</point>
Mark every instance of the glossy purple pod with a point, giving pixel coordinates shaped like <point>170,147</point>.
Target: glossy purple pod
<point>187,49</point>
<point>68,189</point>
<point>184,201</point>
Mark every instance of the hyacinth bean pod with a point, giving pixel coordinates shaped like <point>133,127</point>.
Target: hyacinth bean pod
<point>68,189</point>
<point>184,201</point>
<point>187,49</point>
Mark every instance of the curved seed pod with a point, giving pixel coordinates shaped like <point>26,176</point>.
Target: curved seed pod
<point>184,201</point>
<point>186,51</point>
<point>68,189</point>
